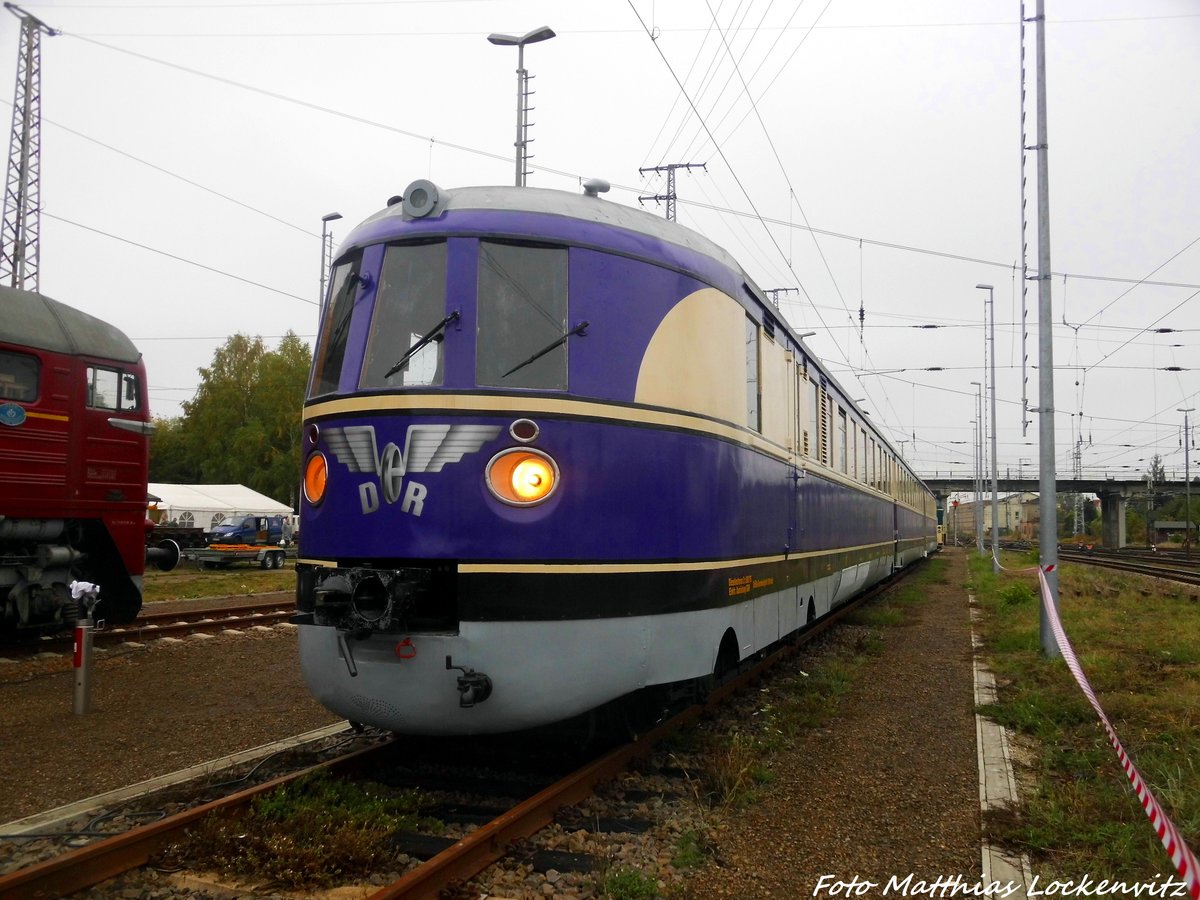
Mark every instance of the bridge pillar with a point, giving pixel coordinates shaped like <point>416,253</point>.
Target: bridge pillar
<point>1112,518</point>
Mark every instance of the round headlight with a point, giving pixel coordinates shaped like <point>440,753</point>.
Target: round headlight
<point>522,477</point>
<point>316,474</point>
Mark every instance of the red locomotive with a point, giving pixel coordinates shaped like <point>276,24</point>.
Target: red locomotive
<point>74,454</point>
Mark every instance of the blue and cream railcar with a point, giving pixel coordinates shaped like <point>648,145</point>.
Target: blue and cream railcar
<point>558,450</point>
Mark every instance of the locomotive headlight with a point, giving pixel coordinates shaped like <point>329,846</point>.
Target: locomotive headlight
<point>316,473</point>
<point>522,477</point>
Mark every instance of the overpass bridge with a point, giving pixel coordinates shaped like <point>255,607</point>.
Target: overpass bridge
<point>1114,493</point>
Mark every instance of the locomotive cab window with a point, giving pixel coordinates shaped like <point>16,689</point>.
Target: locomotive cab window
<point>409,306</point>
<point>335,326</point>
<point>18,377</point>
<point>522,319</point>
<point>110,389</point>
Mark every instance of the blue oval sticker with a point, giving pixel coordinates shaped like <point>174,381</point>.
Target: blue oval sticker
<point>11,414</point>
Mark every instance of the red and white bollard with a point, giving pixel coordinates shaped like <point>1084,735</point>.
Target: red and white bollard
<point>85,594</point>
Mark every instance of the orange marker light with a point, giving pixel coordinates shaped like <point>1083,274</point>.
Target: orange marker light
<point>316,474</point>
<point>522,477</point>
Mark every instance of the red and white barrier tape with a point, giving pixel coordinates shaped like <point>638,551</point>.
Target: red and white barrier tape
<point>1182,857</point>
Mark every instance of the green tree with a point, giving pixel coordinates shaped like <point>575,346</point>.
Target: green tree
<point>243,425</point>
<point>170,461</point>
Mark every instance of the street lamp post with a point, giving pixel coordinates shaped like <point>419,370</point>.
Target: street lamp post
<point>325,249</point>
<point>979,465</point>
<point>511,40</point>
<point>992,360</point>
<point>1187,485</point>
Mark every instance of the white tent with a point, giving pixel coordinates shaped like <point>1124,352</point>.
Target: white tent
<point>206,505</point>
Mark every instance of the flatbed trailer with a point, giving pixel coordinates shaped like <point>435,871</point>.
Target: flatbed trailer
<point>221,556</point>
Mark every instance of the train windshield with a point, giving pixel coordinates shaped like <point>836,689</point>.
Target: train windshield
<point>335,327</point>
<point>522,310</point>
<point>409,305</point>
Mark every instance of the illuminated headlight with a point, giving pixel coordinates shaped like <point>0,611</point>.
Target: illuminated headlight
<point>316,473</point>
<point>522,477</point>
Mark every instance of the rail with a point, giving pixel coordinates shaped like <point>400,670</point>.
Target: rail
<point>84,867</point>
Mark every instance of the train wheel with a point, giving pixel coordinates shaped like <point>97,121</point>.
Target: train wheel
<point>727,658</point>
<point>120,602</point>
<point>642,711</point>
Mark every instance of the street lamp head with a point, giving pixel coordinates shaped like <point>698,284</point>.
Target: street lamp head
<point>984,287</point>
<point>329,217</point>
<point>511,40</point>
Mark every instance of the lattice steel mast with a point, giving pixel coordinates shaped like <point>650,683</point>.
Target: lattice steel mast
<point>19,245</point>
<point>669,196</point>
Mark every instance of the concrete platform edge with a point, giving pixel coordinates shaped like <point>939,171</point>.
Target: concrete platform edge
<point>46,821</point>
<point>997,781</point>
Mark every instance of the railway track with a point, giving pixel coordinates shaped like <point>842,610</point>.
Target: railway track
<point>84,867</point>
<point>1174,570</point>
<point>177,622</point>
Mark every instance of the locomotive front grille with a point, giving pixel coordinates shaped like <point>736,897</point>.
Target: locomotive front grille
<point>378,598</point>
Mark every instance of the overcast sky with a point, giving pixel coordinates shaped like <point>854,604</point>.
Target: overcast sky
<point>861,153</point>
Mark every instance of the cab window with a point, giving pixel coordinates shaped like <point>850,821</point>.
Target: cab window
<point>111,389</point>
<point>409,304</point>
<point>335,326</point>
<point>522,310</point>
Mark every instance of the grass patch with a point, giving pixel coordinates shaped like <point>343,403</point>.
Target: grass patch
<point>691,850</point>
<point>1137,644</point>
<point>313,833</point>
<point>186,582</point>
<point>628,884</point>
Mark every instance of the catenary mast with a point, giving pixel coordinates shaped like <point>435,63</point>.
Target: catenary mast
<point>19,245</point>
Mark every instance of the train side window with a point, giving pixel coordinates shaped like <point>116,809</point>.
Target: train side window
<point>814,414</point>
<point>840,456</point>
<point>753,395</point>
<point>522,311</point>
<point>409,304</point>
<point>18,377</point>
<point>335,327</point>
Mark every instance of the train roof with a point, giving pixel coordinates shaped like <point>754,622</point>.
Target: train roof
<point>586,207</point>
<point>35,320</point>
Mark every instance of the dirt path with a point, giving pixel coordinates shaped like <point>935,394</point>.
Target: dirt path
<point>888,789</point>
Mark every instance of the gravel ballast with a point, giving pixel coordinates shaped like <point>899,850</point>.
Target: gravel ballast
<point>156,708</point>
<point>886,789</point>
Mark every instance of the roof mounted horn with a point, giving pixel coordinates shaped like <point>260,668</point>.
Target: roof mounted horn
<point>594,187</point>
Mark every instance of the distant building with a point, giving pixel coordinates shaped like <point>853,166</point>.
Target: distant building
<point>1016,514</point>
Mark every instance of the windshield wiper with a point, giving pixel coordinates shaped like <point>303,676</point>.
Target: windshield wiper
<point>433,335</point>
<point>579,329</point>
